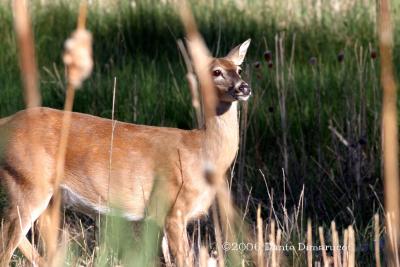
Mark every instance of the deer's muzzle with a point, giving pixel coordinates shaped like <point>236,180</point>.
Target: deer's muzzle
<point>244,88</point>
<point>243,92</point>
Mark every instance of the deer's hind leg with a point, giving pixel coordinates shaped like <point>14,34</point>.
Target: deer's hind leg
<point>13,231</point>
<point>25,203</point>
<point>30,253</point>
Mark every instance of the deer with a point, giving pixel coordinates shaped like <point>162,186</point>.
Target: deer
<point>142,158</point>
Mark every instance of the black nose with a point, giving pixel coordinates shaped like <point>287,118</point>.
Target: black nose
<point>244,88</point>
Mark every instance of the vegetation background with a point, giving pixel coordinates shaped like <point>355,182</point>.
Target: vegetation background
<point>311,137</point>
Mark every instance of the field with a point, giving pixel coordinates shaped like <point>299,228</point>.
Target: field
<point>311,132</point>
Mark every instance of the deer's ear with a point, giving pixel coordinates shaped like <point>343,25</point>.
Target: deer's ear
<point>237,54</point>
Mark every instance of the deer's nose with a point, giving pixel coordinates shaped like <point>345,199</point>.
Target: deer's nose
<point>244,88</point>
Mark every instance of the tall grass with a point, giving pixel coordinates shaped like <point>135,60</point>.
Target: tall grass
<point>314,112</point>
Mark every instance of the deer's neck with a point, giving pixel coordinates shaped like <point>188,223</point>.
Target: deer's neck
<point>222,136</point>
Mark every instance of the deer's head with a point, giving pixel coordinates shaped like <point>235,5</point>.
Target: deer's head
<point>226,73</point>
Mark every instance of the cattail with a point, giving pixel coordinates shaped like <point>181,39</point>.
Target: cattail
<point>257,64</point>
<point>268,56</point>
<point>270,64</point>
<point>271,109</point>
<point>340,56</point>
<point>312,61</point>
<point>78,57</point>
<point>362,141</point>
<point>373,54</point>
<point>78,60</point>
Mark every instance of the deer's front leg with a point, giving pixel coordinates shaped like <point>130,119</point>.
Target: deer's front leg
<point>178,240</point>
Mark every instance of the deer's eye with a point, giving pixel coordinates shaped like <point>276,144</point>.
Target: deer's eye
<point>239,71</point>
<point>217,73</point>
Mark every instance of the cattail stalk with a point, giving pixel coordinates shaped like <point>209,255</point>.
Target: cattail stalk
<point>282,92</point>
<point>322,240</point>
<point>345,259</point>
<point>272,242</point>
<point>32,97</point>
<point>309,244</point>
<point>200,58</point>
<point>78,69</point>
<point>193,85</point>
<point>242,151</point>
<point>278,243</point>
<point>260,239</point>
<point>26,45</point>
<point>335,243</point>
<point>376,241</point>
<point>352,248</point>
<point>389,127</point>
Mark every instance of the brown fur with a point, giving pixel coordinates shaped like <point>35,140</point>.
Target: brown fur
<point>146,161</point>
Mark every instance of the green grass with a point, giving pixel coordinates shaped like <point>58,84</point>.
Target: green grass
<point>137,45</point>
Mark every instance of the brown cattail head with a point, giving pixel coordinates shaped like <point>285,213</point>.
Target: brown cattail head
<point>340,56</point>
<point>78,57</point>
<point>373,54</point>
<point>268,55</point>
<point>312,61</point>
<point>270,64</point>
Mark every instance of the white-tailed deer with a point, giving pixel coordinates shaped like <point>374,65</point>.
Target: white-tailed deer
<point>141,158</point>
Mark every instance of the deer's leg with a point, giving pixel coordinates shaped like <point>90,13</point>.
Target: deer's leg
<point>17,223</point>
<point>178,240</point>
<point>25,204</point>
<point>30,253</point>
<point>12,232</point>
<point>10,238</point>
<point>165,250</point>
